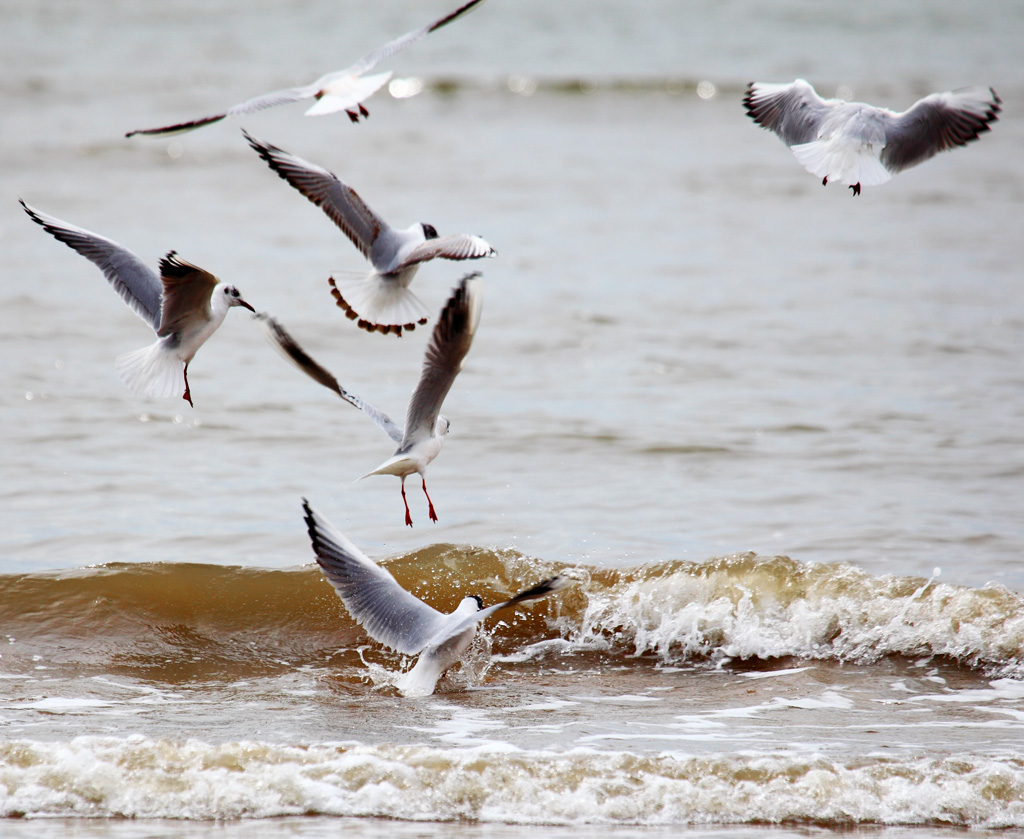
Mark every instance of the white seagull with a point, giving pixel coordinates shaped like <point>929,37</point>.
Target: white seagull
<point>394,617</point>
<point>184,305</point>
<point>344,90</point>
<point>381,301</point>
<point>425,428</point>
<point>861,145</point>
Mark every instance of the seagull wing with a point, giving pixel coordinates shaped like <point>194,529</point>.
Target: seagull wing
<point>459,246</point>
<point>540,590</point>
<point>372,59</point>
<point>289,348</point>
<point>449,343</point>
<point>793,111</point>
<point>936,123</point>
<point>389,613</point>
<point>257,103</point>
<point>339,201</point>
<point>187,291</point>
<point>137,284</point>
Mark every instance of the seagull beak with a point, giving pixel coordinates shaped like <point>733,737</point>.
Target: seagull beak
<point>250,308</point>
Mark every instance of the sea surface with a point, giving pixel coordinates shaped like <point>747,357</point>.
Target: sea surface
<point>774,432</point>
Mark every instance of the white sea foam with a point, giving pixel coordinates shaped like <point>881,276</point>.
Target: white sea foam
<point>747,607</point>
<point>63,705</point>
<point>143,778</point>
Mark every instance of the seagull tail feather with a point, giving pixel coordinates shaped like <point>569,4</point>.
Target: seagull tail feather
<point>152,371</point>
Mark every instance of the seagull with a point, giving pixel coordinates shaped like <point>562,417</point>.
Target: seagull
<point>860,144</point>
<point>380,301</point>
<point>399,620</point>
<point>344,90</point>
<point>425,428</point>
<point>184,305</point>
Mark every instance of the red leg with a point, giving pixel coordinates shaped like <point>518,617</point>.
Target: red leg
<point>433,515</point>
<point>363,110</point>
<point>186,395</point>
<point>352,115</point>
<point>408,517</point>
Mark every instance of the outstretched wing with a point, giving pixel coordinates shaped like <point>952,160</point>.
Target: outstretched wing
<point>389,613</point>
<point>257,103</point>
<point>442,361</point>
<point>793,111</point>
<point>556,583</point>
<point>289,348</point>
<point>936,123</point>
<point>136,283</point>
<point>372,59</point>
<point>458,246</point>
<point>339,201</point>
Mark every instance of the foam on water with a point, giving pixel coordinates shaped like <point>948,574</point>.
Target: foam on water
<point>749,607</point>
<point>143,778</point>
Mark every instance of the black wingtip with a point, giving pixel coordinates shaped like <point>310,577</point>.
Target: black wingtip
<point>309,518</point>
<point>459,12</point>
<point>31,213</point>
<point>553,584</point>
<point>171,265</point>
<point>261,148</point>
<point>267,151</point>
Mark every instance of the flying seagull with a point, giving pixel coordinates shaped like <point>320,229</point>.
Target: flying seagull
<point>344,90</point>
<point>425,428</point>
<point>861,145</point>
<point>184,305</point>
<point>399,620</point>
<point>380,301</point>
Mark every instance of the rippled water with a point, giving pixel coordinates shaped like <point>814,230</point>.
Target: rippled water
<point>693,359</point>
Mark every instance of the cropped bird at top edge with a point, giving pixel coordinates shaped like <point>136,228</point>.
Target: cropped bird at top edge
<point>861,145</point>
<point>183,304</point>
<point>343,90</point>
<point>425,428</point>
<point>380,301</point>
<point>398,619</point>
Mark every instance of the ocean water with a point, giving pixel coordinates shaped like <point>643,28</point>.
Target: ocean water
<point>774,431</point>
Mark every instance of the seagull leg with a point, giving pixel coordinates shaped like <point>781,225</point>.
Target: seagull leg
<point>352,115</point>
<point>856,188</point>
<point>824,181</point>
<point>363,110</point>
<point>186,395</point>
<point>433,515</point>
<point>408,516</point>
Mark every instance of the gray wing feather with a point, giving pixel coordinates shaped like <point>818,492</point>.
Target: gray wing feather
<point>793,111</point>
<point>136,283</point>
<point>339,201</point>
<point>249,106</point>
<point>442,361</point>
<point>389,613</point>
<point>289,348</point>
<point>936,123</point>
